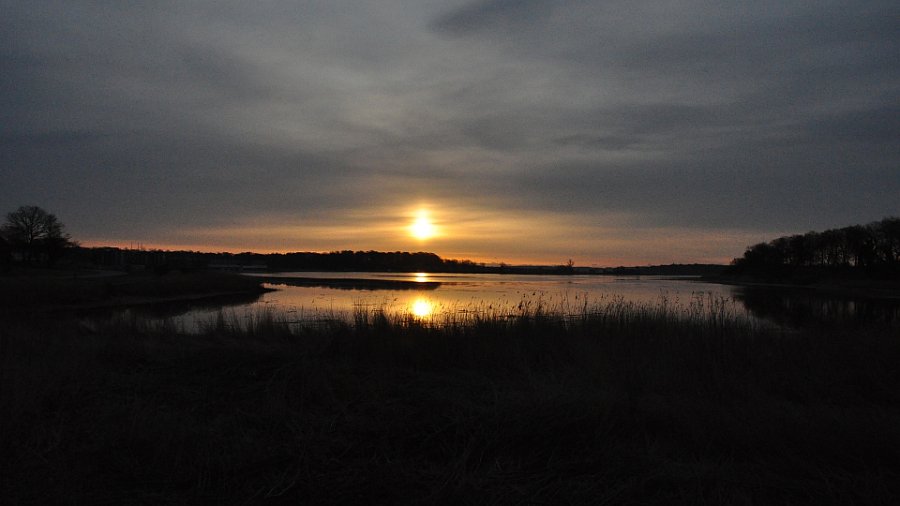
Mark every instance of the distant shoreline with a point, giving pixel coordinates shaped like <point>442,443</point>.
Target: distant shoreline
<point>852,288</point>
<point>161,261</point>
<point>349,283</point>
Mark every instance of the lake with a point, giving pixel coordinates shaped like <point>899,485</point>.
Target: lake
<point>310,297</point>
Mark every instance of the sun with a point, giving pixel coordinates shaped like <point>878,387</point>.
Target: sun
<point>422,227</point>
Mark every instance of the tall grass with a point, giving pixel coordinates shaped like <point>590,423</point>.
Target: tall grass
<point>569,402</point>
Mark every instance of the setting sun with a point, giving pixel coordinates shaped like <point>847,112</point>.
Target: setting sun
<point>422,228</point>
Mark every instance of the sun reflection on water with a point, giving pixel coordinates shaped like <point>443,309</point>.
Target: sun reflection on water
<point>421,308</point>
<point>421,277</point>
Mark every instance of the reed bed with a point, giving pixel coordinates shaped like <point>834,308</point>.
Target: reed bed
<point>700,310</point>
<point>563,401</point>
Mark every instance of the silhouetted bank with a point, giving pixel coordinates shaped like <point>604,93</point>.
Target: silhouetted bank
<point>51,291</point>
<point>161,261</point>
<point>858,257</point>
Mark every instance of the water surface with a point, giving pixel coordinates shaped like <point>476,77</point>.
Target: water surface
<point>304,297</point>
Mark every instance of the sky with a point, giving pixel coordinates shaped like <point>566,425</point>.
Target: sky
<point>527,131</point>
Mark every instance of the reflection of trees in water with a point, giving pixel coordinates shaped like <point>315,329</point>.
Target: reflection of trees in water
<point>799,308</point>
<point>354,284</point>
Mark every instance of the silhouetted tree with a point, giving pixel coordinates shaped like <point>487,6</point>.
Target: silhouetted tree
<point>872,249</point>
<point>887,240</point>
<point>567,268</point>
<point>35,234</point>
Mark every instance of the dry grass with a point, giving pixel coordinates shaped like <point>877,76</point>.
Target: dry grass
<point>610,403</point>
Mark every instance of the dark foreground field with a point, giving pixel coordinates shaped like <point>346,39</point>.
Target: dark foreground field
<point>624,405</point>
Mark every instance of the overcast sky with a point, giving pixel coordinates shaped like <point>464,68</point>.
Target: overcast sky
<point>610,132</point>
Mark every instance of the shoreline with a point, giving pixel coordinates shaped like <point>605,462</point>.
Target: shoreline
<point>851,288</point>
<point>636,401</point>
<point>42,295</point>
<point>349,283</point>
<point>141,301</point>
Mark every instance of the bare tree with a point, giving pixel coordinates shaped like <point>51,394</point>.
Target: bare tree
<point>37,234</point>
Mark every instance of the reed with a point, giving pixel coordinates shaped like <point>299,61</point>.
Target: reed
<point>560,401</point>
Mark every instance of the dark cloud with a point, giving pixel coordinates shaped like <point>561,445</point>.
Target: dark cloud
<point>770,116</point>
<point>15,141</point>
<point>489,15</point>
<point>871,126</point>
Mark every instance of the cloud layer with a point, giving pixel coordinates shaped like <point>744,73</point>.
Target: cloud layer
<point>536,129</point>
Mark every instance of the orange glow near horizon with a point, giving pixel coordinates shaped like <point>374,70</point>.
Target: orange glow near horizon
<point>453,232</point>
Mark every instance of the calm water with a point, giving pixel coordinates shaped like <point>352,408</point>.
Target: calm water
<point>437,297</point>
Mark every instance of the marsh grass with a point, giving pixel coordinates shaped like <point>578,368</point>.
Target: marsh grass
<point>569,402</point>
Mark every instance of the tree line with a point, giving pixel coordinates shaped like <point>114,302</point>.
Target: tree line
<point>871,250</point>
<point>33,237</point>
<point>347,261</point>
